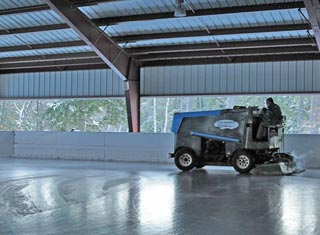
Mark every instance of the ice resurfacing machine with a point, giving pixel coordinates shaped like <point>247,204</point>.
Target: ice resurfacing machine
<point>228,138</point>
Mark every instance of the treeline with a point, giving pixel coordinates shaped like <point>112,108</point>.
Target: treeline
<point>109,115</point>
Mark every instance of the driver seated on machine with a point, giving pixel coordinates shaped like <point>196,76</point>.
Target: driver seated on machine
<point>270,116</point>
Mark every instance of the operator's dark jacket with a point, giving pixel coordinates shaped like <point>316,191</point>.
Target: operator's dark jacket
<point>275,114</point>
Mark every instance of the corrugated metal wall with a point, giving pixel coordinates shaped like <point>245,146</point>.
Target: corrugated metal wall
<point>247,78</point>
<point>92,83</point>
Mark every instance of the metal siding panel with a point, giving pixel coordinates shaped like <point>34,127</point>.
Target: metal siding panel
<point>292,76</point>
<point>238,78</point>
<point>109,82</point>
<point>16,86</point>
<point>52,84</point>
<point>46,77</point>
<point>103,82</point>
<point>142,80</point>
<point>162,80</point>
<point>10,85</point>
<point>231,79</point>
<point>208,79</point>
<point>253,77</point>
<point>180,79</point>
<point>159,81</point>
<point>173,88</point>
<point>80,89</point>
<point>316,78</point>
<point>74,83</point>
<point>167,82</point>
<point>300,76</point>
<point>187,80</point>
<point>245,85</point>
<point>116,85</point>
<point>221,78</point>
<point>91,83</point>
<point>261,76</point>
<point>30,81</point>
<point>20,84</point>
<point>276,76</point>
<point>268,78</point>
<point>195,79</point>
<point>151,80</point>
<point>147,81</point>
<point>68,89</point>
<point>26,87</point>
<point>97,83</point>
<point>86,83</point>
<point>58,84</point>
<point>63,84</point>
<point>308,78</point>
<point>202,79</point>
<point>284,76</point>
<point>3,85</point>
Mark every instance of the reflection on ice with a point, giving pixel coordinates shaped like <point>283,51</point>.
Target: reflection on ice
<point>156,204</point>
<point>299,215</point>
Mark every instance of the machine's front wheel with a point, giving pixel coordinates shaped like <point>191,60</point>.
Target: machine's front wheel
<point>243,161</point>
<point>185,159</point>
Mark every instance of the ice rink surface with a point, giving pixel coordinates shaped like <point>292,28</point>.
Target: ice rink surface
<point>72,197</point>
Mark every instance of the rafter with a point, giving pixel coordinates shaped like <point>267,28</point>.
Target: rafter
<point>52,57</point>
<point>198,33</point>
<point>200,12</point>
<point>34,29</point>
<point>54,68</point>
<point>42,46</point>
<point>222,45</point>
<point>236,59</point>
<point>54,63</point>
<point>228,52</point>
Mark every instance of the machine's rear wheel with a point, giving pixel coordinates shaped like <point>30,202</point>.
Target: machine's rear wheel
<point>185,159</point>
<point>243,161</point>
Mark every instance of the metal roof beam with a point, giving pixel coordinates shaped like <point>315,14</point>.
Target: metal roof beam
<point>103,45</point>
<point>197,33</point>
<point>50,68</point>
<point>52,57</point>
<point>27,9</point>
<point>200,12</point>
<point>34,29</point>
<point>42,46</point>
<point>45,7</point>
<point>229,60</point>
<point>228,52</point>
<point>114,56</point>
<point>54,63</point>
<point>313,9</point>
<point>222,45</point>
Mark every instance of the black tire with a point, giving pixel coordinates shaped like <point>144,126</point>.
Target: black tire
<point>200,164</point>
<point>185,159</point>
<point>243,161</point>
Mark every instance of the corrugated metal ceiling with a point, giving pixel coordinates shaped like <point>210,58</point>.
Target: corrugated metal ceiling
<point>29,19</point>
<point>236,20</point>
<point>136,7</point>
<point>63,35</point>
<point>8,4</point>
<point>53,51</point>
<point>222,38</point>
